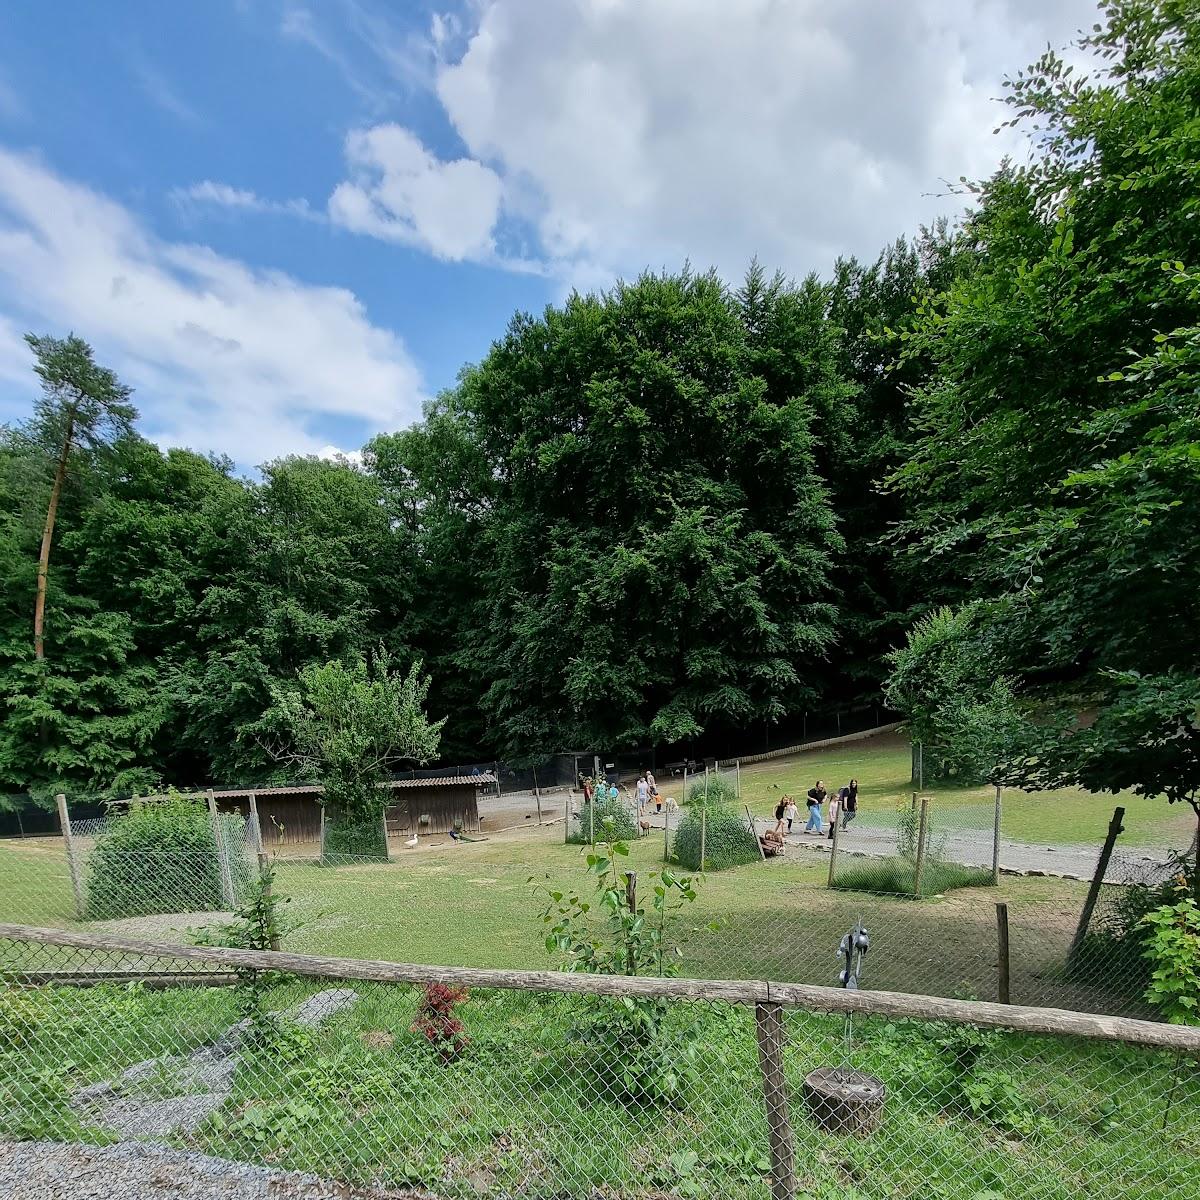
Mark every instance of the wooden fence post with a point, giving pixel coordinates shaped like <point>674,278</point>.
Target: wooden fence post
<point>387,854</point>
<point>768,1025</point>
<point>227,897</point>
<point>922,825</point>
<point>996,841</point>
<point>567,816</point>
<point>666,835</point>
<point>64,820</point>
<point>592,816</point>
<point>1003,991</point>
<point>537,795</point>
<point>834,848</point>
<point>1115,829</point>
<point>255,825</point>
<point>738,767</point>
<point>762,854</point>
<point>703,831</point>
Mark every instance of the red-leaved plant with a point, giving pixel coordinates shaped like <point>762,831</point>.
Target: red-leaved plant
<point>436,1021</point>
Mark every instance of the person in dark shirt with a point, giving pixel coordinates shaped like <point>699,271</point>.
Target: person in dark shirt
<point>816,797</point>
<point>848,802</point>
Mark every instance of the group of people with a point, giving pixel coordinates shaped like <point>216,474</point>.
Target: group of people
<point>843,807</point>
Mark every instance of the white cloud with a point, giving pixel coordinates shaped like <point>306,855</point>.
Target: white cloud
<point>223,356</point>
<point>400,192</point>
<point>208,193</point>
<point>627,133</point>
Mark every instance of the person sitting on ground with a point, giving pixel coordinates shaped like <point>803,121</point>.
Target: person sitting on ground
<point>848,798</point>
<point>816,797</point>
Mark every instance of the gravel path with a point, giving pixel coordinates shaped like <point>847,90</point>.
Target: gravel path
<point>136,1171</point>
<point>974,848</point>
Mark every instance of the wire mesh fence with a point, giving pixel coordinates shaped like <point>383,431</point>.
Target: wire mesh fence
<point>460,1083</point>
<point>470,904</point>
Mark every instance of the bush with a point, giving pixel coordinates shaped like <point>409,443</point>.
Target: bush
<point>437,1023</point>
<point>623,824</point>
<point>1173,948</point>
<point>347,838</point>
<point>161,857</point>
<point>728,841</point>
<point>897,876</point>
<point>719,791</point>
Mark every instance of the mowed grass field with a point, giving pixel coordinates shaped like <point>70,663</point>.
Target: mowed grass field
<point>475,905</point>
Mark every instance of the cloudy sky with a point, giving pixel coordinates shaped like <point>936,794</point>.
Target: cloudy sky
<point>286,224</point>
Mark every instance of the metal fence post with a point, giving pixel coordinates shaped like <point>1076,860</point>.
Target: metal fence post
<point>1003,988</point>
<point>255,825</point>
<point>996,841</point>
<point>768,1028</point>
<point>738,765</point>
<point>64,820</point>
<point>922,825</point>
<point>666,835</point>
<point>703,832</point>
<point>222,852</point>
<point>834,848</point>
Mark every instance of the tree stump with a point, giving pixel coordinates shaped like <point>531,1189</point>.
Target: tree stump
<point>843,1101</point>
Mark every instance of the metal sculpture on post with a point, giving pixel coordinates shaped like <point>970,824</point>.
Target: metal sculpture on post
<point>840,1099</point>
<point>852,951</point>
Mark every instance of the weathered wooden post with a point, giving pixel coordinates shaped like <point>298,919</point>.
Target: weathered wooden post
<point>1115,829</point>
<point>834,849</point>
<point>227,897</point>
<point>768,1028</point>
<point>387,853</point>
<point>996,841</point>
<point>666,835</point>
<point>631,904</point>
<point>1003,989</point>
<point>738,766</point>
<point>321,837</point>
<point>537,795</point>
<point>754,833</point>
<point>64,821</point>
<point>922,826</point>
<point>703,831</point>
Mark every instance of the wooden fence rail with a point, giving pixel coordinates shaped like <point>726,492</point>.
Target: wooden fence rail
<point>894,1005</point>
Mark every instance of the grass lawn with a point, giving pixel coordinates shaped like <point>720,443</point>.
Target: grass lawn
<point>528,1109</point>
<point>473,905</point>
<point>883,767</point>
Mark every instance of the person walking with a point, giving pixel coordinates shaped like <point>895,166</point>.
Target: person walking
<point>848,802</point>
<point>790,812</point>
<point>835,806</point>
<point>643,793</point>
<point>780,813</point>
<point>816,797</point>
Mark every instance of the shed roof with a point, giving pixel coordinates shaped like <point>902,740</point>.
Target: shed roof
<point>313,789</point>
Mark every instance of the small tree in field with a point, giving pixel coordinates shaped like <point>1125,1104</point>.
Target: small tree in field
<point>347,724</point>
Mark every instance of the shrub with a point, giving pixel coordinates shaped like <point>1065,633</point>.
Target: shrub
<point>728,841</point>
<point>897,876</point>
<point>614,821</point>
<point>161,857</point>
<point>437,1023</point>
<point>1173,948</point>
<point>717,790</point>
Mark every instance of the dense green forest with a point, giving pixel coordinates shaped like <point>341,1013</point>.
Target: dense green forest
<point>681,508</point>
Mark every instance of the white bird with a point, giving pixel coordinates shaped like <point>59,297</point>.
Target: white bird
<point>412,842</point>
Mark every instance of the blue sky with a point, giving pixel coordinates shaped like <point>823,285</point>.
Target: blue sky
<point>288,224</point>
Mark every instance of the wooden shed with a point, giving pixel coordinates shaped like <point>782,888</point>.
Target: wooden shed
<point>291,814</point>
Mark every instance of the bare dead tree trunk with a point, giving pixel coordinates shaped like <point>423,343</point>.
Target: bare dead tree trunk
<point>39,608</point>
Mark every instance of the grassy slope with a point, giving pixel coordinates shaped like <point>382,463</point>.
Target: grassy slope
<point>883,767</point>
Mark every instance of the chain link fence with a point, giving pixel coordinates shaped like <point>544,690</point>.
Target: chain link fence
<point>153,1063</point>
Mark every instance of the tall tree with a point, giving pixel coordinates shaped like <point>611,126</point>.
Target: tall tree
<point>655,553</point>
<point>1055,460</point>
<point>82,405</point>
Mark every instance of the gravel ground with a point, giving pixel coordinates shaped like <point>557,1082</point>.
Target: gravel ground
<point>135,1171</point>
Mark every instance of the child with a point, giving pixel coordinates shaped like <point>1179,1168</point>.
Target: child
<point>834,808</point>
<point>780,810</point>
<point>790,813</point>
